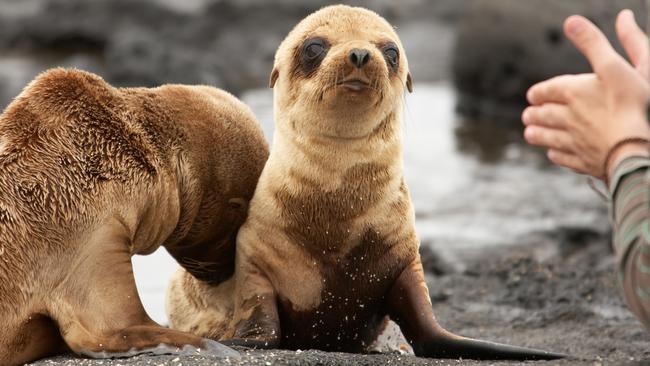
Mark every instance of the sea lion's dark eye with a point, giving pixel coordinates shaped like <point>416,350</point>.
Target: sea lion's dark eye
<point>314,48</point>
<point>391,54</point>
<point>311,54</point>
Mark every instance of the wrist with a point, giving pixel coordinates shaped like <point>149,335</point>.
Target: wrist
<point>625,151</point>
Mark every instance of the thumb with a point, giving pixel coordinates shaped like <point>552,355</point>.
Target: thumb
<point>593,44</point>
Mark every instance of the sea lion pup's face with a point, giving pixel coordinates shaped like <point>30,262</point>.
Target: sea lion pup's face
<point>346,67</point>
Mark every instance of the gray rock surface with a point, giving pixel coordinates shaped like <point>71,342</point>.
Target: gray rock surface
<point>505,46</point>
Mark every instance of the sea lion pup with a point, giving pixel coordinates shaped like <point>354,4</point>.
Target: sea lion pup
<point>329,247</point>
<point>91,175</point>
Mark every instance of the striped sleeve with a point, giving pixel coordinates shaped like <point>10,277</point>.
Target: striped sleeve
<point>630,214</point>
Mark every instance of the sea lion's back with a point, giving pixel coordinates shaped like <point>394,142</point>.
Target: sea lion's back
<point>63,141</point>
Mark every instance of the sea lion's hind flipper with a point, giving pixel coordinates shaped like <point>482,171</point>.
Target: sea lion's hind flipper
<point>444,347</point>
<point>408,304</point>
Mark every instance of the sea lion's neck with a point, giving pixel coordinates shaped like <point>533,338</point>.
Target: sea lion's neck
<point>332,157</point>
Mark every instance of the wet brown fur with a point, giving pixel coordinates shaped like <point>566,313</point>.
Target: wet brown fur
<point>90,175</point>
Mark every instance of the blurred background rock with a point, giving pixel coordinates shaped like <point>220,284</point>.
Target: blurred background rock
<point>491,49</point>
<point>505,46</point>
<point>227,43</point>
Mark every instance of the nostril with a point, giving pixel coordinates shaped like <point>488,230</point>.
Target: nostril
<point>359,57</point>
<point>366,58</point>
<point>353,58</point>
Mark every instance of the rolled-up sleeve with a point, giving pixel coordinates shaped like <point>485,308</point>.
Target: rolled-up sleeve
<point>630,214</point>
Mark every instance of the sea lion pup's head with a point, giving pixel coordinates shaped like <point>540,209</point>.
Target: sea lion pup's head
<point>347,66</point>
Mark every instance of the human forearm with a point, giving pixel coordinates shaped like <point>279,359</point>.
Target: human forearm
<point>631,218</point>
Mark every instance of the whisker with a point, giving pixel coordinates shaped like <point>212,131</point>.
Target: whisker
<point>402,81</point>
<point>336,82</point>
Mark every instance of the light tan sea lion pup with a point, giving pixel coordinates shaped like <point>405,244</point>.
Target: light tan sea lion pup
<point>91,175</point>
<point>329,247</point>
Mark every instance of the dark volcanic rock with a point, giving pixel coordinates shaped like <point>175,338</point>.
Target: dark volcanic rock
<point>433,262</point>
<point>505,46</point>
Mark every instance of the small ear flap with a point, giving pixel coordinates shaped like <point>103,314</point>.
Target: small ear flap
<point>274,77</point>
<point>409,83</point>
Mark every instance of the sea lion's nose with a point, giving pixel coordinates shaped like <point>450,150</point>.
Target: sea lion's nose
<point>359,57</point>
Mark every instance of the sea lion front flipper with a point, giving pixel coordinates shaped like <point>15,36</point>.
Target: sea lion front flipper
<point>98,309</point>
<point>256,319</point>
<point>410,306</point>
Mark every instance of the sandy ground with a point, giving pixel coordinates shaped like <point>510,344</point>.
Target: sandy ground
<point>558,291</point>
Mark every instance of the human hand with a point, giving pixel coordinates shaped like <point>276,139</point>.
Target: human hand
<point>579,118</point>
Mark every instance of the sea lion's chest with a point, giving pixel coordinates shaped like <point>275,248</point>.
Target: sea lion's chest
<point>322,219</point>
<point>349,311</point>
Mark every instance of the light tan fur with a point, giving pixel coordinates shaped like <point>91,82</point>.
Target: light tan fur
<point>326,138</point>
<point>91,175</point>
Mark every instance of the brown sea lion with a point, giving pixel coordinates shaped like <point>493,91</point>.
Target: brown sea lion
<point>91,175</point>
<point>329,247</point>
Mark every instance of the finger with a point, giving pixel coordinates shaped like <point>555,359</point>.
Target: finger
<point>553,90</point>
<point>567,160</point>
<point>548,138</point>
<point>634,41</point>
<point>550,115</point>
<point>562,89</point>
<point>593,44</point>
